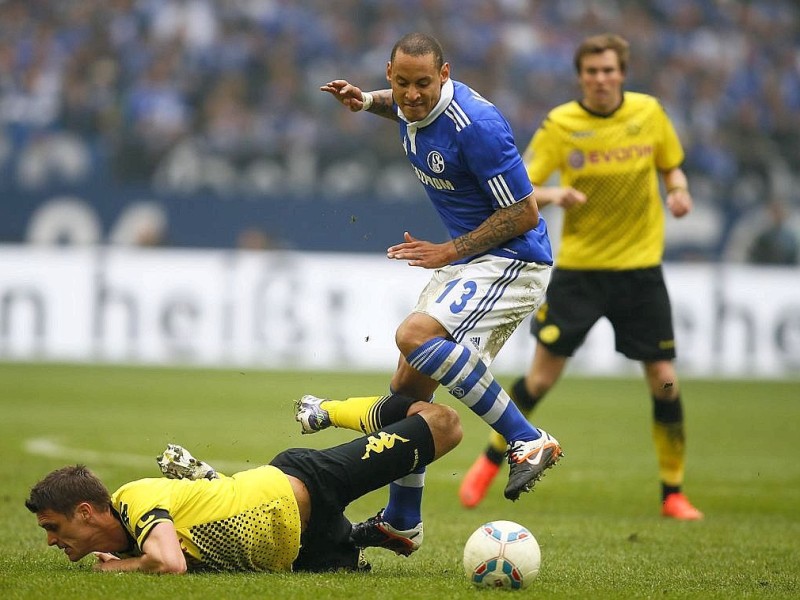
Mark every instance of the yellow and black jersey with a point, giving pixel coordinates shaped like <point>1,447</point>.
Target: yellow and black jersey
<point>249,521</point>
<point>614,160</point>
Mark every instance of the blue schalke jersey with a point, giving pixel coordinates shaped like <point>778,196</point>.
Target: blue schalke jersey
<point>463,152</point>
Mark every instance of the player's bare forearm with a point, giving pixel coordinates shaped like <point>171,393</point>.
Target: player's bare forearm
<point>140,564</point>
<point>501,226</point>
<point>353,98</point>
<point>421,253</point>
<point>382,105</point>
<point>121,565</point>
<point>565,197</point>
<point>679,200</point>
<point>161,553</point>
<point>675,178</point>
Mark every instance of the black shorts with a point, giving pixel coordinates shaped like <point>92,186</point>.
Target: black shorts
<point>636,302</point>
<point>336,476</point>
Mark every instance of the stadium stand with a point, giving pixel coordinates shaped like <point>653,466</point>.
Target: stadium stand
<point>212,108</point>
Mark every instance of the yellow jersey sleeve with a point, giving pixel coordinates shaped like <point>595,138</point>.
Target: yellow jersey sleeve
<point>140,505</point>
<point>249,521</point>
<point>615,161</point>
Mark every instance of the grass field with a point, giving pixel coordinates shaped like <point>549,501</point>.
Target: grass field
<point>595,515</point>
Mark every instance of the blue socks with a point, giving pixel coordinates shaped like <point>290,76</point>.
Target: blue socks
<point>404,509</point>
<point>468,378</point>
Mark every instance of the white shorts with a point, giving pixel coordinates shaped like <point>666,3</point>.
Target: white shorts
<point>482,302</point>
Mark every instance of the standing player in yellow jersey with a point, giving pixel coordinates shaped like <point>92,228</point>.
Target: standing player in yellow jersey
<point>287,515</point>
<point>609,148</point>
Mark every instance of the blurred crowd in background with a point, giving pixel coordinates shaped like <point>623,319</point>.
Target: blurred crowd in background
<point>222,96</point>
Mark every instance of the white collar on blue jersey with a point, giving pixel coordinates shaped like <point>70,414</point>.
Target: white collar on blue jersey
<point>444,101</point>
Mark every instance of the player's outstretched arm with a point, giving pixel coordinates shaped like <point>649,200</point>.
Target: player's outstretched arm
<point>378,102</point>
<point>161,553</point>
<point>349,95</point>
<point>383,105</point>
<point>565,197</point>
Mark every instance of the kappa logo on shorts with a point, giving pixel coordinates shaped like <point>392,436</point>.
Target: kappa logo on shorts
<point>380,442</point>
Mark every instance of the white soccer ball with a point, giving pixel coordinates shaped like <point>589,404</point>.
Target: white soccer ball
<point>502,554</point>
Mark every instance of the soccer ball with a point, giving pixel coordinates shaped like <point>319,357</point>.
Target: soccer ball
<point>502,554</point>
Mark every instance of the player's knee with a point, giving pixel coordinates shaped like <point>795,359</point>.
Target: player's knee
<point>451,425</point>
<point>452,422</point>
<point>537,386</point>
<point>662,379</point>
<point>445,426</point>
<point>415,331</point>
<point>408,339</point>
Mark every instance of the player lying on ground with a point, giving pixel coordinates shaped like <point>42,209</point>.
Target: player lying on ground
<point>287,515</point>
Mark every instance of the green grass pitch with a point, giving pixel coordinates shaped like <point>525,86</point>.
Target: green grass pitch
<point>595,515</point>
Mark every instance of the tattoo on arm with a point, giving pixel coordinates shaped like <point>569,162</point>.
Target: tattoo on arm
<point>382,105</point>
<point>500,227</point>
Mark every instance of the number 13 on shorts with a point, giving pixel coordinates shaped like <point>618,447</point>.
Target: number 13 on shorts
<point>462,294</point>
<point>484,300</point>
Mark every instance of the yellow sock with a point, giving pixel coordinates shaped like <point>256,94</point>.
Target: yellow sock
<point>497,442</point>
<point>357,413</point>
<point>670,444</point>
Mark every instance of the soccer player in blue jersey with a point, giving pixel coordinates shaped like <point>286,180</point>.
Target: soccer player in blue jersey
<point>487,278</point>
